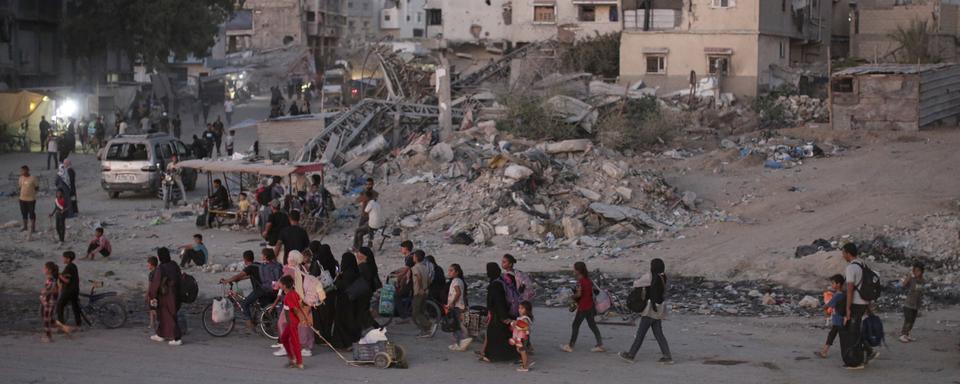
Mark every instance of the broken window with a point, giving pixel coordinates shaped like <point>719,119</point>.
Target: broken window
<point>719,65</point>
<point>843,85</point>
<point>656,64</point>
<point>724,3</point>
<point>587,13</point>
<point>311,16</point>
<point>544,14</point>
<point>434,17</point>
<point>417,32</point>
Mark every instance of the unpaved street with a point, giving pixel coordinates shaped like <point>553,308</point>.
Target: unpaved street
<point>706,349</point>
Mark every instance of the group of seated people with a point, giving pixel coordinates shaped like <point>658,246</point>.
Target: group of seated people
<point>315,202</point>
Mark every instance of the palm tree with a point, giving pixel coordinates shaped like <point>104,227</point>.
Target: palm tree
<point>915,43</point>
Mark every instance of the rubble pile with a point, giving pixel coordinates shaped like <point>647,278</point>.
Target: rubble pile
<point>545,195</point>
<point>802,109</point>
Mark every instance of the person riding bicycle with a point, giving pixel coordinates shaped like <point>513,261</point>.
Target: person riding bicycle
<point>251,271</point>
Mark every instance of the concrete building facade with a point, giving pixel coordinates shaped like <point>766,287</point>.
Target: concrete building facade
<point>276,23</point>
<point>363,18</point>
<point>739,42</point>
<point>873,21</point>
<point>404,19</point>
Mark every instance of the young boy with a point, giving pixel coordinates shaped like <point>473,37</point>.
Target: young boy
<point>289,337</point>
<point>152,262</point>
<point>194,252</point>
<point>243,207</point>
<point>99,244</point>
<point>913,283</point>
<point>835,307</point>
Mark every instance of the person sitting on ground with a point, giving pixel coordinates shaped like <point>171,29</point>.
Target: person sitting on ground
<point>374,221</point>
<point>220,198</point>
<point>835,309</point>
<point>99,244</point>
<point>194,252</point>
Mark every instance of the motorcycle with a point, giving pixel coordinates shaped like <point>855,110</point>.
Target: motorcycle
<point>171,191</point>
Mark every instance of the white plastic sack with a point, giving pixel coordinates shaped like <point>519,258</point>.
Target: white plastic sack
<point>375,335</point>
<point>222,310</point>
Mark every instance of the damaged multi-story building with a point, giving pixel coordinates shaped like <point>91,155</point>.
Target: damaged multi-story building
<point>741,43</point>
<point>520,21</point>
<point>362,21</point>
<point>875,24</point>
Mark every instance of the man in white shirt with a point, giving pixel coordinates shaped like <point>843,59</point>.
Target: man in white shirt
<point>122,128</point>
<point>228,110</point>
<point>853,349</point>
<point>374,218</point>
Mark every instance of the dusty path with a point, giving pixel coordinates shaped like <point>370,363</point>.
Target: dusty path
<point>706,349</point>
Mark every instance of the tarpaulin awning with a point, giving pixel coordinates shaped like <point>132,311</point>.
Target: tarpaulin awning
<point>243,166</point>
<point>15,106</point>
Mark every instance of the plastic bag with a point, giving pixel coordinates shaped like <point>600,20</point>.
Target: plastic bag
<point>222,310</point>
<point>375,335</point>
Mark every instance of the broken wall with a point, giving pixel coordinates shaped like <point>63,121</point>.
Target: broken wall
<point>470,21</point>
<point>869,36</point>
<point>878,102</point>
<point>276,23</point>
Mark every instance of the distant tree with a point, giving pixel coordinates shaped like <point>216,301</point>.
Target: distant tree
<point>146,30</point>
<point>915,43</point>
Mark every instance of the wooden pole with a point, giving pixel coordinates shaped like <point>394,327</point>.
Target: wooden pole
<point>829,88</point>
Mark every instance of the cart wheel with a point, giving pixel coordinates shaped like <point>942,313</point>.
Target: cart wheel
<point>381,360</point>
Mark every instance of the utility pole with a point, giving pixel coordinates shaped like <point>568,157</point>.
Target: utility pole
<point>443,95</point>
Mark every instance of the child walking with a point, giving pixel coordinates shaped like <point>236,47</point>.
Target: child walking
<point>59,214</point>
<point>48,302</point>
<point>290,337</point>
<point>152,263</point>
<point>457,307</point>
<point>584,308</point>
<point>913,283</point>
<point>835,308</point>
<point>521,334</point>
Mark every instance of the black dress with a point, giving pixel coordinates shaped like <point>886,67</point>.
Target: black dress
<point>346,329</point>
<point>365,319</point>
<point>498,333</point>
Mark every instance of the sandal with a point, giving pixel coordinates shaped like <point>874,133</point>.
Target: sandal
<point>485,359</point>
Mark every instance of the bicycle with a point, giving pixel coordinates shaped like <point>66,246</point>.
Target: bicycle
<point>618,314</point>
<point>266,317</point>
<point>101,308</point>
<point>404,309</point>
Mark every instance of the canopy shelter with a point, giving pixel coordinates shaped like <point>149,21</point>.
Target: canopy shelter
<point>15,106</point>
<point>244,166</point>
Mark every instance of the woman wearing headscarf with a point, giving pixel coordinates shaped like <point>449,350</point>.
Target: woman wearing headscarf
<point>323,261</point>
<point>346,331</point>
<point>652,314</point>
<point>367,265</point>
<point>294,268</point>
<point>162,296</point>
<point>74,210</point>
<point>497,347</point>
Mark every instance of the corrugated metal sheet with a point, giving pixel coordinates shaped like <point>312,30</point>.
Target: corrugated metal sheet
<point>939,94</point>
<point>899,69</point>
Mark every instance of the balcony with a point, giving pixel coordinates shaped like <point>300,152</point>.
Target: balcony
<point>660,19</point>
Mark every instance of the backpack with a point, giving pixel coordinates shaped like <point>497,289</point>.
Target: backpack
<point>528,289</point>
<point>269,274</point>
<point>637,299</point>
<point>188,290</point>
<point>313,293</point>
<point>870,286</point>
<point>871,330</point>
<point>513,297</point>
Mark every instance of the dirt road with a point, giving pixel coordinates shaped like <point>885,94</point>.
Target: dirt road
<point>706,349</point>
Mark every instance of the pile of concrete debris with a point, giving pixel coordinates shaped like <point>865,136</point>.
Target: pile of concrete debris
<point>541,194</point>
<point>801,109</point>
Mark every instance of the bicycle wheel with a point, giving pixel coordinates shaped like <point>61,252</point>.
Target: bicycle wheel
<point>112,313</point>
<point>268,323</point>
<point>433,314</point>
<point>216,329</point>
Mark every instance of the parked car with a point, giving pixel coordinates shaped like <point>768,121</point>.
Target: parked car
<point>135,163</point>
